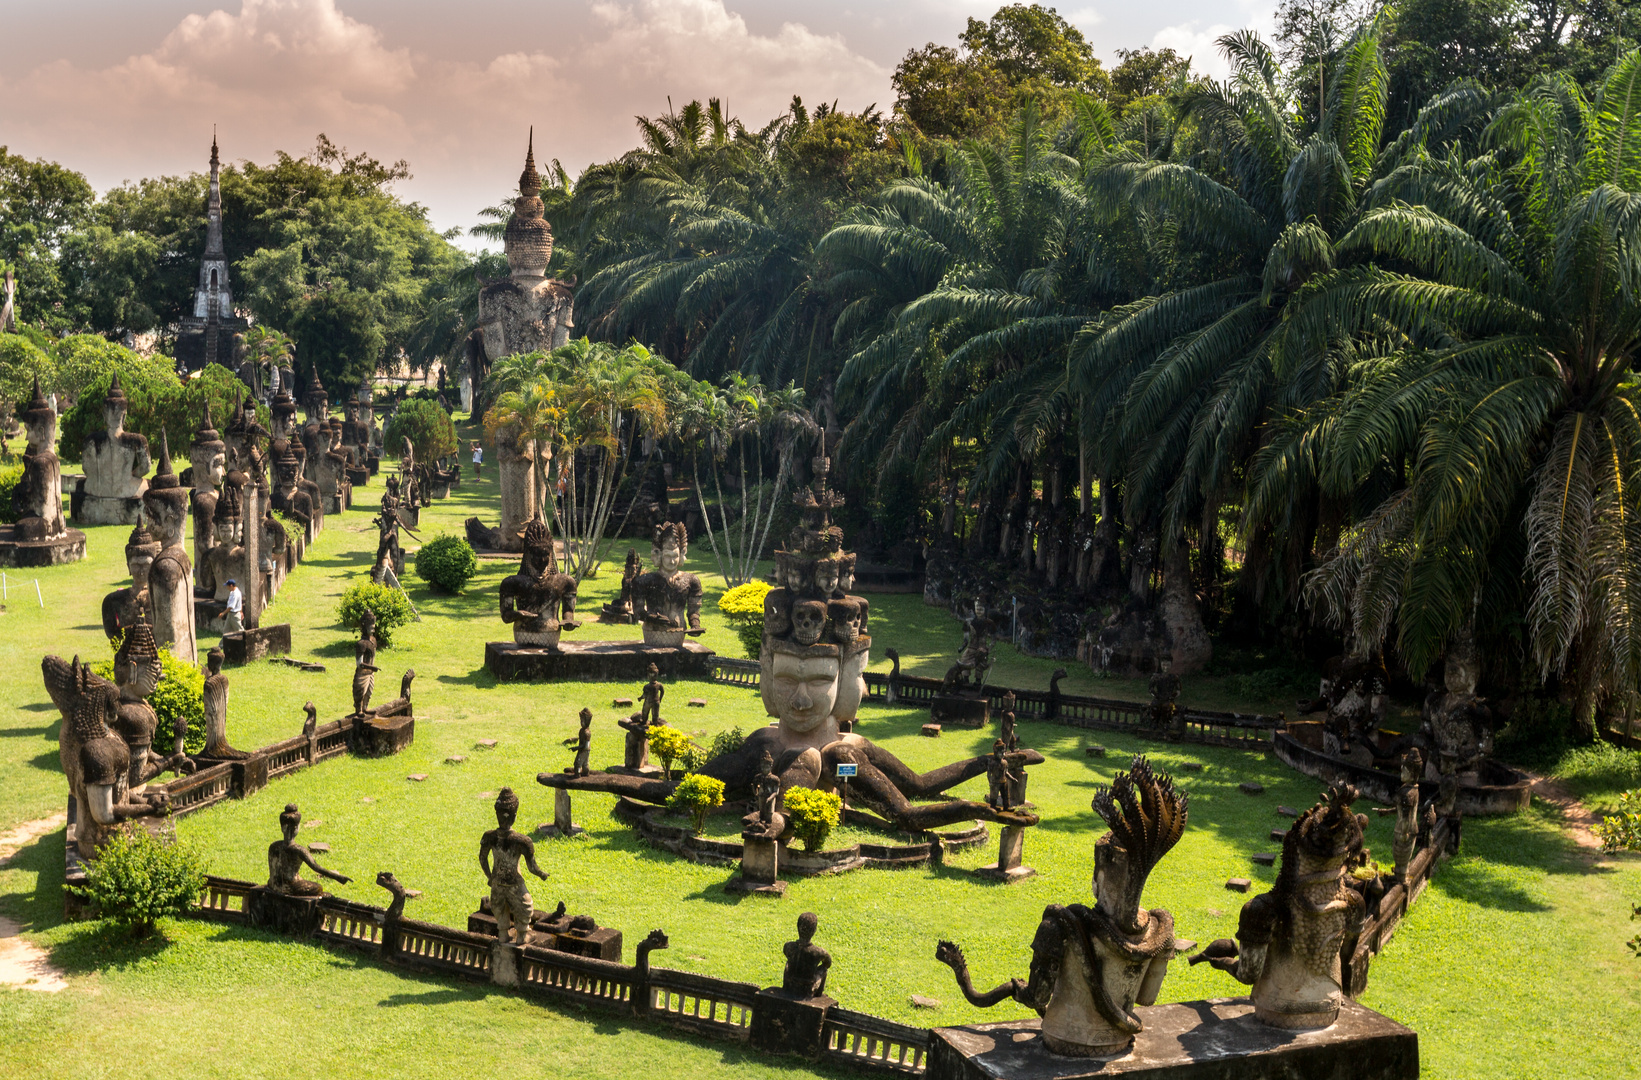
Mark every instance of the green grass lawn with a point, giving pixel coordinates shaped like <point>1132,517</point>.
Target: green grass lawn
<point>1520,919</point>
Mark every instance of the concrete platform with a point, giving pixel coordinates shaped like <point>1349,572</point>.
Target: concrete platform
<point>70,547</point>
<point>596,661</point>
<point>244,646</point>
<point>1218,1039</point>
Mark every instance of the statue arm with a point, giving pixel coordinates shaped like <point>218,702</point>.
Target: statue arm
<point>530,859</point>
<point>485,845</point>
<point>316,868</point>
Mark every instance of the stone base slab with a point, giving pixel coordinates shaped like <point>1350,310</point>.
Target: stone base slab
<point>959,711</point>
<point>245,646</point>
<point>381,736</point>
<point>100,510</point>
<point>1218,1039</point>
<point>25,554</point>
<point>1007,875</point>
<point>595,661</point>
<point>741,885</point>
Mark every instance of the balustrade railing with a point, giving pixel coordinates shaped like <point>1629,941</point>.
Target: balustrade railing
<point>701,1003</point>
<point>861,1039</point>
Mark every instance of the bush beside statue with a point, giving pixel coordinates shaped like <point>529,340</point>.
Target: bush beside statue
<point>391,608</point>
<point>138,878</point>
<point>447,563</point>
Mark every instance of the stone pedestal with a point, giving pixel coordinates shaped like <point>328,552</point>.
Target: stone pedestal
<point>15,551</point>
<point>254,644</point>
<point>760,868</point>
<point>1217,1039</point>
<point>960,710</point>
<point>782,1024</point>
<point>296,915</point>
<point>97,510</point>
<point>594,661</point>
<point>378,736</point>
<point>250,775</point>
<point>1017,792</point>
<point>1007,868</point>
<point>562,825</point>
<point>504,968</point>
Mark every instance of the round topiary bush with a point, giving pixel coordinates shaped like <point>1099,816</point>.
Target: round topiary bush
<point>138,878</point>
<point>428,428</point>
<point>447,563</point>
<point>667,743</point>
<point>743,606</point>
<point>178,699</point>
<point>696,795</point>
<point>390,605</point>
<point>814,814</point>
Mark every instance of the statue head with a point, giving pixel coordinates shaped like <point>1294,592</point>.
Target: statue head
<point>846,572</point>
<point>1147,818</point>
<point>540,556</point>
<point>40,421</point>
<point>165,503</point>
<point>290,821</point>
<point>208,454</point>
<point>801,686</point>
<point>670,547</point>
<point>137,662</point>
<point>808,621</point>
<point>777,612</point>
<point>367,624</point>
<point>808,923</point>
<point>826,576</point>
<point>225,519</point>
<point>586,718</point>
<point>1412,766</point>
<point>795,574</point>
<point>507,808</point>
<point>114,406</point>
<point>140,551</point>
<point>213,661</point>
<point>1321,841</point>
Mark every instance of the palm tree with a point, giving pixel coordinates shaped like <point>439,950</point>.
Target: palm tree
<point>1496,406</point>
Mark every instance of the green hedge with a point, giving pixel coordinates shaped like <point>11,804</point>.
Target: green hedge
<point>447,563</point>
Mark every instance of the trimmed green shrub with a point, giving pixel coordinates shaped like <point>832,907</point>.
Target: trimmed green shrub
<point>390,605</point>
<point>447,563</point>
<point>9,477</point>
<point>727,742</point>
<point>179,698</point>
<point>428,427</point>
<point>697,796</point>
<point>667,743</point>
<point>743,606</point>
<point>814,814</point>
<point>138,878</point>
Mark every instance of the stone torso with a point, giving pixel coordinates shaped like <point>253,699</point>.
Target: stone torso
<point>1102,974</point>
<point>116,464</point>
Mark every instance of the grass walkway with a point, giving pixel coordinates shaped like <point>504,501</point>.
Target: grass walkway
<point>1521,918</point>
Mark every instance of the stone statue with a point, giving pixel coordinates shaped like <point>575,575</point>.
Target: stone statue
<point>1090,966</point>
<point>806,962</point>
<point>768,797</point>
<point>654,691</point>
<point>171,578</point>
<point>583,743</point>
<point>389,555</point>
<point>623,607</point>
<point>812,682</point>
<point>37,500</point>
<point>1165,690</point>
<point>216,711</point>
<point>225,559</point>
<point>123,607</point>
<point>1406,837</point>
<point>289,498</point>
<point>638,741</point>
<point>1001,779</point>
<point>116,463</point>
<point>364,664</point>
<point>528,311</point>
<point>509,899</point>
<point>668,598</point>
<point>208,456</point>
<point>1289,940</point>
<point>1006,734</point>
<point>538,601</point>
<point>974,659</point>
<point>286,858</point>
<point>8,308</point>
<point>137,672</point>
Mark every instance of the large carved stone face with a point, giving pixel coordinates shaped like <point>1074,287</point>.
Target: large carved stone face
<point>826,578</point>
<point>114,415</point>
<point>144,678</point>
<point>802,691</point>
<point>668,558</point>
<point>210,466</point>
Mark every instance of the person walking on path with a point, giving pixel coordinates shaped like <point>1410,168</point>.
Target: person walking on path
<point>235,621</point>
<point>478,459</point>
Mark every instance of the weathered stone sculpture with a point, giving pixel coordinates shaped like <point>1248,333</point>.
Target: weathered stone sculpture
<point>364,664</point>
<point>1406,836</point>
<point>636,747</point>
<point>654,691</point>
<point>807,964</point>
<point>668,598</point>
<point>137,672</point>
<point>538,601</point>
<point>289,498</point>
<point>1165,689</point>
<point>225,559</point>
<point>509,898</point>
<point>208,456</point>
<point>1090,966</point>
<point>123,607</point>
<point>1289,940</point>
<point>812,663</point>
<point>621,609</point>
<point>529,311</point>
<point>171,578</point>
<point>216,711</point>
<point>116,466</point>
<point>286,858</point>
<point>389,555</point>
<point>40,536</point>
<point>583,743</point>
<point>95,759</point>
<point>516,468</point>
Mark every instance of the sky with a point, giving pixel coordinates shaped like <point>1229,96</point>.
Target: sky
<point>123,89</point>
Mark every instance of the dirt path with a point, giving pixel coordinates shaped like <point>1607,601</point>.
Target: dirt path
<point>1577,816</point>
<point>23,963</point>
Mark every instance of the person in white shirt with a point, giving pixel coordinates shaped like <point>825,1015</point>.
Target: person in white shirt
<point>235,621</point>
<point>478,459</point>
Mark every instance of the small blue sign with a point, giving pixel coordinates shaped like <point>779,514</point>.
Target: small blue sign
<point>847,770</point>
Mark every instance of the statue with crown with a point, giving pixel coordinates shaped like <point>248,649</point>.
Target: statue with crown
<point>40,536</point>
<point>812,662</point>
